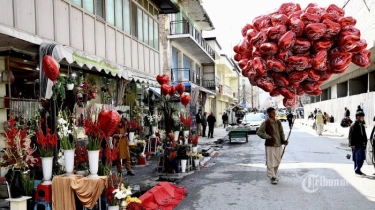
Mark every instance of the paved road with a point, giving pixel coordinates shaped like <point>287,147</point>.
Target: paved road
<point>237,180</point>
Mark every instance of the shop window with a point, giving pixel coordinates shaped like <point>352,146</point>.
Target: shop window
<point>127,16</point>
<point>118,15</point>
<point>145,28</point>
<point>110,11</point>
<point>139,24</point>
<point>89,5</point>
<point>151,32</point>
<point>77,2</point>
<point>99,8</point>
<point>134,29</point>
<point>156,35</point>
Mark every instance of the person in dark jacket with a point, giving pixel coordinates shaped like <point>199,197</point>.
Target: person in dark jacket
<point>211,122</point>
<point>225,119</point>
<point>204,124</point>
<point>358,142</point>
<point>198,119</point>
<point>347,113</point>
<point>289,117</point>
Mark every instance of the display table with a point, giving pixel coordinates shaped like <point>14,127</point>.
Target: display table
<point>18,203</point>
<point>62,193</point>
<point>88,190</point>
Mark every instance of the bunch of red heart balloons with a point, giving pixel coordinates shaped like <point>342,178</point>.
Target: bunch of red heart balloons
<point>291,51</point>
<point>167,89</point>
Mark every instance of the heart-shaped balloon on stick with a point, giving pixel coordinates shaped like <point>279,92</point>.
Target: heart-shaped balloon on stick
<point>51,68</point>
<point>180,88</point>
<point>185,99</point>
<point>109,121</point>
<point>162,79</point>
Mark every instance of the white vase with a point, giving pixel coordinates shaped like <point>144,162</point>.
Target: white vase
<point>186,136</point>
<point>194,149</point>
<point>153,129</point>
<point>47,170</point>
<point>93,156</point>
<point>114,207</point>
<point>69,86</point>
<point>131,137</point>
<point>183,165</point>
<point>83,173</point>
<point>4,171</point>
<point>69,162</point>
<point>176,133</point>
<point>196,163</point>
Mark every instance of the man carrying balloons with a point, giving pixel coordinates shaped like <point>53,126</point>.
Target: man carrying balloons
<point>272,131</point>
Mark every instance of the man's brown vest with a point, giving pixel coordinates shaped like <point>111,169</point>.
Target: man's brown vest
<point>269,131</point>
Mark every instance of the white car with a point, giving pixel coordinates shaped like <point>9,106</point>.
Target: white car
<point>253,121</point>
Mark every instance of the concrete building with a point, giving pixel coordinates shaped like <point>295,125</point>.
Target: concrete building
<point>357,85</point>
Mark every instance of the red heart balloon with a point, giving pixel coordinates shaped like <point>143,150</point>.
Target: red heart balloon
<point>180,88</point>
<point>319,60</point>
<point>284,55</point>
<point>280,80</point>
<point>315,92</point>
<point>313,75</point>
<point>245,29</point>
<point>237,57</point>
<point>315,31</point>
<point>259,66</point>
<point>243,46</point>
<point>165,89</point>
<point>236,49</point>
<point>324,75</point>
<point>256,53</point>
<point>268,48</point>
<point>266,83</point>
<point>346,22</point>
<point>251,33</point>
<point>297,26</point>
<point>333,50</point>
<point>259,39</point>
<point>279,19</point>
<point>340,61</point>
<point>275,65</point>
<point>330,16</point>
<point>172,92</point>
<point>350,30</point>
<point>308,18</point>
<point>185,99</point>
<point>310,86</point>
<point>362,58</point>
<point>361,45</point>
<point>275,92</point>
<point>298,76</point>
<point>332,8</point>
<point>262,22</point>
<point>298,63</point>
<point>109,121</point>
<point>50,68</point>
<point>322,45</point>
<point>287,93</point>
<point>248,69</point>
<point>290,102</point>
<point>242,63</point>
<point>295,14</point>
<point>300,91</point>
<point>162,79</point>
<point>274,33</point>
<point>314,10</point>
<point>287,8</point>
<point>252,80</point>
<point>287,40</point>
<point>301,46</point>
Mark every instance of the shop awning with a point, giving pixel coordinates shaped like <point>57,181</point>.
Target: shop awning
<point>156,91</point>
<point>143,79</point>
<point>71,55</point>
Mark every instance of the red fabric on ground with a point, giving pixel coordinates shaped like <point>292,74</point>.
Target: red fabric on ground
<point>164,196</point>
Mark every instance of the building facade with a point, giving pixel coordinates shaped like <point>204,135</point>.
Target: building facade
<point>357,85</point>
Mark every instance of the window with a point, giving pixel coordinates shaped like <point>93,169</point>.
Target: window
<point>110,11</point>
<point>100,8</point>
<point>127,16</point>
<point>134,29</point>
<point>139,25</point>
<point>89,5</point>
<point>151,32</point>
<point>119,15</point>
<point>156,35</point>
<point>145,28</point>
<point>77,2</point>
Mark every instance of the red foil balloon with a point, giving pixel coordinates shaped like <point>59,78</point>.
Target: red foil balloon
<point>275,92</point>
<point>301,46</point>
<point>242,63</point>
<point>50,68</point>
<point>333,28</point>
<point>251,33</point>
<point>322,45</point>
<point>295,14</point>
<point>245,29</point>
<point>346,22</point>
<point>319,60</point>
<point>276,65</point>
<point>298,76</point>
<point>361,45</point>
<point>308,18</point>
<point>259,39</point>
<point>165,89</point>
<point>259,66</point>
<point>330,16</point>
<point>332,8</point>
<point>340,61</point>
<point>348,42</point>
<point>313,75</point>
<point>252,80</point>
<point>243,46</point>
<point>314,10</point>
<point>287,40</point>
<point>315,31</point>
<point>237,57</point>
<point>236,49</point>
<point>185,99</point>
<point>256,53</point>
<point>280,80</point>
<point>274,33</point>
<point>284,55</point>
<point>297,26</point>
<point>162,79</point>
<point>287,8</point>
<point>266,83</point>
<point>362,58</point>
<point>310,86</point>
<point>172,92</point>
<point>279,19</point>
<point>180,88</point>
<point>290,102</point>
<point>108,121</point>
<point>324,75</point>
<point>350,30</point>
<point>268,48</point>
<point>262,22</point>
<point>315,92</point>
<point>298,63</point>
<point>287,93</point>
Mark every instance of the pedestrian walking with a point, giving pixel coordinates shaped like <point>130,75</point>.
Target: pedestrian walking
<point>358,142</point>
<point>327,118</point>
<point>198,120</point>
<point>289,117</point>
<point>359,109</point>
<point>225,119</point>
<point>121,142</point>
<point>273,132</point>
<point>211,122</point>
<point>347,113</point>
<point>319,119</point>
<point>204,124</point>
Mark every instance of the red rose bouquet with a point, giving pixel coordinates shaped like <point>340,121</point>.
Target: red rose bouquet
<point>81,158</point>
<point>89,88</point>
<point>186,122</point>
<point>114,183</point>
<point>92,130</point>
<point>193,139</point>
<point>46,142</point>
<point>132,125</point>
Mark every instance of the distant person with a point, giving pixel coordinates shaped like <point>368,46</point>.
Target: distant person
<point>358,141</point>
<point>326,118</point>
<point>315,111</point>
<point>198,119</point>
<point>204,124</point>
<point>272,131</point>
<point>359,109</point>
<point>347,113</point>
<point>319,122</point>
<point>225,119</point>
<point>289,117</point>
<point>211,120</point>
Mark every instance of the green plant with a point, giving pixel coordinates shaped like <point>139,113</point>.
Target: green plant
<point>28,183</point>
<point>71,80</point>
<point>58,88</point>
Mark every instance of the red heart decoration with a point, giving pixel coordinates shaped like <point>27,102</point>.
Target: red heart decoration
<point>237,57</point>
<point>256,53</point>
<point>348,42</point>
<point>315,31</point>
<point>172,92</point>
<point>266,83</point>
<point>236,49</point>
<point>245,29</point>
<point>287,40</point>
<point>319,60</point>
<point>313,75</point>
<point>243,46</point>
<point>258,39</point>
<point>361,45</point>
<point>259,66</point>
<point>261,22</point>
<point>301,46</point>
<point>290,102</point>
<point>165,89</point>
<point>350,30</point>
<point>162,79</point>
<point>284,55</point>
<point>276,65</point>
<point>180,88</point>
<point>279,19</point>
<point>362,58</point>
<point>251,33</point>
<point>322,45</point>
<point>295,14</point>
<point>340,61</point>
<point>346,22</point>
<point>287,93</point>
<point>314,10</point>
<point>308,18</point>
<point>268,48</point>
<point>275,92</point>
<point>330,16</point>
<point>333,28</point>
<point>280,80</point>
<point>274,33</point>
<point>297,26</point>
<point>332,8</point>
<point>109,121</point>
<point>298,76</point>
<point>298,63</point>
<point>242,63</point>
<point>185,99</point>
<point>287,8</point>
<point>50,68</point>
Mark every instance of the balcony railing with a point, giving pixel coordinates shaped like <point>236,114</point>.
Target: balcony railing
<point>185,27</point>
<point>188,75</point>
<point>227,90</point>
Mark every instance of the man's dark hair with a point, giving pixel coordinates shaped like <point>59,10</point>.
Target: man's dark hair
<point>270,109</point>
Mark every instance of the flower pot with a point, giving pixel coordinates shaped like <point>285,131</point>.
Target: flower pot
<point>141,160</point>
<point>196,163</point>
<point>69,86</point>
<point>176,135</point>
<point>47,170</point>
<point>69,162</point>
<point>154,128</point>
<point>16,188</point>
<point>114,207</point>
<point>194,149</point>
<point>93,156</point>
<point>81,172</point>
<point>131,137</point>
<point>3,171</point>
<point>186,136</point>
<point>183,165</point>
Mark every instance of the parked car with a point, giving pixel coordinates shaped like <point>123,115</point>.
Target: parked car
<point>281,116</point>
<point>253,121</point>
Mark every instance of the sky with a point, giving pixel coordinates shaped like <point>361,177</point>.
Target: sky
<point>229,17</point>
